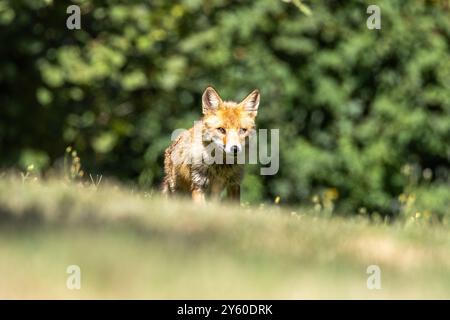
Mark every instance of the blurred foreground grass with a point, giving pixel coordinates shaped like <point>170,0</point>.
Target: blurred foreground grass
<point>132,246</point>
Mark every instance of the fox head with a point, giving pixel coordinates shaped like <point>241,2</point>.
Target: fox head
<point>228,124</point>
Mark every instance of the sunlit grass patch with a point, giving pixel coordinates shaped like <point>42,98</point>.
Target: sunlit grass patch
<point>130,245</point>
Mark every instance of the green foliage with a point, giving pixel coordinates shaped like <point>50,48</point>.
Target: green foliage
<point>353,105</point>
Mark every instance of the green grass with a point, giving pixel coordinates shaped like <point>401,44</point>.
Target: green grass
<point>131,246</point>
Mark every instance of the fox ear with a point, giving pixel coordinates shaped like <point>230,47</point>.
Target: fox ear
<point>251,102</point>
<point>210,100</point>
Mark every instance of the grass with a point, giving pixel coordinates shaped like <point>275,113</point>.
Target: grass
<point>131,246</point>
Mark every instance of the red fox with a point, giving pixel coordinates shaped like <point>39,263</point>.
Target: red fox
<point>195,162</point>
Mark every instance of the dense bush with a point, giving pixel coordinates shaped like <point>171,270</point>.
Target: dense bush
<point>364,115</point>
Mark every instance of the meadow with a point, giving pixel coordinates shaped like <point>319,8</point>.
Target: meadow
<point>130,244</point>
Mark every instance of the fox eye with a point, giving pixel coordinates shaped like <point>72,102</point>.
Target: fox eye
<point>243,130</point>
<point>221,130</point>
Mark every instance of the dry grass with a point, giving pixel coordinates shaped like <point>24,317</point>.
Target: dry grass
<point>131,246</point>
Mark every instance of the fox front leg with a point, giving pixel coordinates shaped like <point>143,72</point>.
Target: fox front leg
<point>234,192</point>
<point>199,183</point>
<point>216,188</point>
<point>198,195</point>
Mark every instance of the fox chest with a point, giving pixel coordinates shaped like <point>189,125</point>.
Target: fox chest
<point>217,176</point>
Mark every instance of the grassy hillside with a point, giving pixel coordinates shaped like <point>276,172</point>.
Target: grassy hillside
<point>131,245</point>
